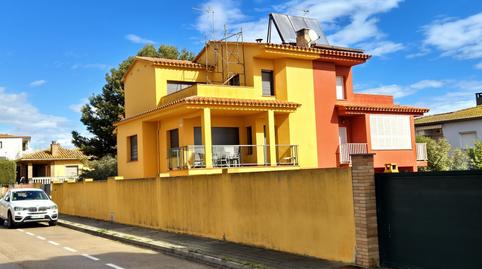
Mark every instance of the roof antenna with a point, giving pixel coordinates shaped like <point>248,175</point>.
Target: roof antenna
<point>210,11</point>
<point>305,12</point>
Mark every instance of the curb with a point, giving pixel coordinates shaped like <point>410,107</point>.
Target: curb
<point>166,248</point>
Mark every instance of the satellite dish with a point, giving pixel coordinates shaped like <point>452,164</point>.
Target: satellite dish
<point>313,35</point>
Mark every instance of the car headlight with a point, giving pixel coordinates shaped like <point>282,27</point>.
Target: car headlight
<point>54,207</point>
<point>19,208</point>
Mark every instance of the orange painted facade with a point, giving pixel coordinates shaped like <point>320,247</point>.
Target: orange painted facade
<point>331,114</point>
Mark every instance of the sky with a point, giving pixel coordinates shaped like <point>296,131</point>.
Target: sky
<point>55,54</point>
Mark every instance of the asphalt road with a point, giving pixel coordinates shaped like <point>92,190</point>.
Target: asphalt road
<point>39,246</point>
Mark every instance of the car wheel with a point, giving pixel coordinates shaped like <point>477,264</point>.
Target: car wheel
<point>10,222</point>
<point>52,223</point>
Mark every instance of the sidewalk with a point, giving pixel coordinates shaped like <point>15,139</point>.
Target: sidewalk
<point>221,254</point>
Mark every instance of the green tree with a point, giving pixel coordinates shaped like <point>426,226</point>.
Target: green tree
<point>475,155</point>
<point>100,169</point>
<point>437,153</point>
<point>107,107</point>
<point>459,160</point>
<point>8,172</point>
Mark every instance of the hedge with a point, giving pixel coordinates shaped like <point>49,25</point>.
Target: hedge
<point>8,171</point>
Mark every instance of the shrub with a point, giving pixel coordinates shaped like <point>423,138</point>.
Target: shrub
<point>8,172</point>
<point>437,153</point>
<point>475,155</point>
<point>100,169</point>
<point>459,160</point>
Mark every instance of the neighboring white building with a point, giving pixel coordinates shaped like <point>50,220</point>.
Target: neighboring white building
<point>13,146</point>
<point>461,128</point>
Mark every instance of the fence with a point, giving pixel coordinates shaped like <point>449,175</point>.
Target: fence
<point>351,148</point>
<point>430,220</point>
<point>309,212</point>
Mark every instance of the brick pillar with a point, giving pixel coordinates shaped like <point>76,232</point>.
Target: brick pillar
<point>366,234</point>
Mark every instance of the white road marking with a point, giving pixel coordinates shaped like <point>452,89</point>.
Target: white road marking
<point>29,233</point>
<point>70,249</point>
<point>41,237</point>
<point>54,243</point>
<point>114,266</point>
<point>90,257</point>
<point>20,230</point>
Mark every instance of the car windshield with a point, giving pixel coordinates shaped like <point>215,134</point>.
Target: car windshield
<point>29,195</point>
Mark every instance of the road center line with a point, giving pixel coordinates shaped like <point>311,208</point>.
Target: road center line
<point>114,266</point>
<point>90,257</point>
<point>70,249</point>
<point>41,237</point>
<point>54,243</point>
<point>29,233</point>
<point>20,230</point>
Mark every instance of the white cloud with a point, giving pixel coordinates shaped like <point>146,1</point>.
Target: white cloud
<point>90,66</point>
<point>399,91</point>
<point>138,40</point>
<point>458,38</point>
<point>37,83</point>
<point>353,21</point>
<point>479,65</point>
<point>78,106</point>
<point>19,116</point>
<point>451,95</point>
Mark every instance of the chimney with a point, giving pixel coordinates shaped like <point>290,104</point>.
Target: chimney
<point>303,38</point>
<point>478,98</point>
<point>54,148</point>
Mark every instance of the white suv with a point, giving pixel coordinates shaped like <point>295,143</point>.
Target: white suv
<point>27,205</point>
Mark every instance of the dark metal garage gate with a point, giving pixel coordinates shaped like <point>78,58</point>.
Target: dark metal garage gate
<point>430,220</point>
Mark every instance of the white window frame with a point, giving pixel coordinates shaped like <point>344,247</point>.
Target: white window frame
<point>461,134</point>
<point>390,132</point>
<point>340,88</point>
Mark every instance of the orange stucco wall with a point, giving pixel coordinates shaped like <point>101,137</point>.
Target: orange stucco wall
<point>324,75</point>
<point>328,120</point>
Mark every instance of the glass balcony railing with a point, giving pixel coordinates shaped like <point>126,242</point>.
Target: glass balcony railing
<point>193,156</point>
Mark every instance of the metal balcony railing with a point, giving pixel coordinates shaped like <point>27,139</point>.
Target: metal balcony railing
<point>351,148</point>
<point>422,152</point>
<point>193,156</point>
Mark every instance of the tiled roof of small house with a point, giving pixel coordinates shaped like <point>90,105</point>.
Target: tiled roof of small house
<point>62,154</point>
<point>464,114</point>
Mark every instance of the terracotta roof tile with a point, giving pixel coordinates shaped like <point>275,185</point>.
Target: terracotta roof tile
<point>324,51</point>
<point>464,114</point>
<point>200,100</point>
<point>63,154</point>
<point>13,136</point>
<point>172,62</point>
<point>367,108</point>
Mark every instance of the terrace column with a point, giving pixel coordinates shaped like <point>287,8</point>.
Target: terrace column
<point>206,137</point>
<point>271,138</point>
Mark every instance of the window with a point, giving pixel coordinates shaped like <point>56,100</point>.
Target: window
<point>174,138</point>
<point>25,146</point>
<point>390,132</point>
<point>234,80</point>
<point>267,83</point>
<point>175,86</point>
<point>71,170</point>
<point>340,88</point>
<point>1,144</point>
<point>249,139</point>
<point>467,139</point>
<point>133,148</point>
<point>220,135</point>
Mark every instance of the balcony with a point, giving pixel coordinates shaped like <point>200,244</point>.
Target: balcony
<point>351,148</point>
<point>215,90</point>
<point>422,152</point>
<point>226,156</point>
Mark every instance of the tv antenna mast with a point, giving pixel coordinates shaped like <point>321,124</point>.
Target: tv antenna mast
<point>210,12</point>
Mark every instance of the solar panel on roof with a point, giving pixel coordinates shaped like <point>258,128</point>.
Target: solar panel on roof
<point>287,26</point>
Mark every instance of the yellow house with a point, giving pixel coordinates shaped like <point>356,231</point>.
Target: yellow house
<point>55,163</point>
<point>239,105</point>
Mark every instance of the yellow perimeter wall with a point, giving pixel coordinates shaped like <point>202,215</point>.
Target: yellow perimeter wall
<point>309,212</point>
